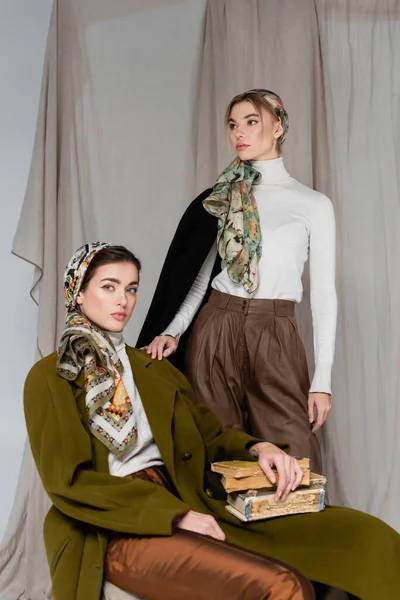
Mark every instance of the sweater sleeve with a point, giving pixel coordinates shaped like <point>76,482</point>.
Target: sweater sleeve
<point>323,293</point>
<point>193,300</point>
<point>62,452</point>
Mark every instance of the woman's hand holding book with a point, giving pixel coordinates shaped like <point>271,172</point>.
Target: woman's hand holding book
<point>289,472</point>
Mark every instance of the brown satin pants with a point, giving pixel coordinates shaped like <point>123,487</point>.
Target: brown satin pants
<point>246,361</point>
<point>189,566</point>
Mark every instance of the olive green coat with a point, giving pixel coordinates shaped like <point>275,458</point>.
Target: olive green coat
<point>340,547</point>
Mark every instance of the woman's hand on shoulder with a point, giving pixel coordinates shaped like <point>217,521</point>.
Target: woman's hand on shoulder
<point>287,467</point>
<point>162,346</point>
<point>319,403</point>
<point>200,523</point>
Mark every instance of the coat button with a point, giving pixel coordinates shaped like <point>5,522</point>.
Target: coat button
<point>187,456</point>
<point>209,493</point>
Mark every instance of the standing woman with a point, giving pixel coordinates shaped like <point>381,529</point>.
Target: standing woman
<point>244,358</point>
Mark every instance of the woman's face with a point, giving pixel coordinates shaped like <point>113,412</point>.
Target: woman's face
<point>251,137</point>
<point>110,297</point>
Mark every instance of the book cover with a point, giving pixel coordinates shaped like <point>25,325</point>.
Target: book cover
<point>255,482</point>
<point>243,475</point>
<point>247,468</point>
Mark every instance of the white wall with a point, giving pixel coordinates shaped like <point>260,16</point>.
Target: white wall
<point>23,31</point>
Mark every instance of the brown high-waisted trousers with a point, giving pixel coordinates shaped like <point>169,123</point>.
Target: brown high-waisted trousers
<point>189,566</point>
<point>246,361</point>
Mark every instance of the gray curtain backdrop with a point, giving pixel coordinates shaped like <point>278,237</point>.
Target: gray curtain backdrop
<point>270,44</point>
<point>360,41</point>
<point>113,159</point>
<point>130,126</point>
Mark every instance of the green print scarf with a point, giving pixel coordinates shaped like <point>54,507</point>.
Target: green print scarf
<point>239,232</point>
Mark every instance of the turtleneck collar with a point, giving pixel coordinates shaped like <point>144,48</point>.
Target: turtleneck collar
<point>272,171</point>
<point>117,338</point>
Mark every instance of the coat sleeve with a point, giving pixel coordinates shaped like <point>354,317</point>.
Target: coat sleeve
<point>63,455</point>
<point>220,445</point>
<point>194,300</point>
<point>196,233</point>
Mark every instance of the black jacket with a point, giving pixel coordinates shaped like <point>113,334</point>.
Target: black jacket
<point>196,233</point>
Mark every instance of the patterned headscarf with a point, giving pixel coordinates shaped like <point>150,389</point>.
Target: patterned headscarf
<point>232,201</point>
<point>84,346</point>
<point>276,103</point>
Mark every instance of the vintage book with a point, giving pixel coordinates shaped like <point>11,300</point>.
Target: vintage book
<point>254,505</point>
<point>239,475</point>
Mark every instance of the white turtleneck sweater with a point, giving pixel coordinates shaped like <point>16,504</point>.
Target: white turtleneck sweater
<point>296,222</point>
<point>144,452</point>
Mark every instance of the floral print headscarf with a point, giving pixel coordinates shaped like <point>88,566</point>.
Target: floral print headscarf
<point>84,346</point>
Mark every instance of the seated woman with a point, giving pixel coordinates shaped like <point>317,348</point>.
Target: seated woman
<point>122,451</point>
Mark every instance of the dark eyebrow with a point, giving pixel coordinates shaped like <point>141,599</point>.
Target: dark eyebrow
<point>114,280</point>
<point>246,117</point>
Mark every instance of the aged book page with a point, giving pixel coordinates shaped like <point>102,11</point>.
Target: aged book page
<point>261,504</point>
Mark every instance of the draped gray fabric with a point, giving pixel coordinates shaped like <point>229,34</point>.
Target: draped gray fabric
<point>117,156</point>
<point>272,45</point>
<point>360,42</point>
<point>113,160</point>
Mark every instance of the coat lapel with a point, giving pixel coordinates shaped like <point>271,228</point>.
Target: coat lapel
<point>158,398</point>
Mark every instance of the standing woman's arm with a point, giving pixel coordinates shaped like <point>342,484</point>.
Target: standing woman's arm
<point>193,300</point>
<point>188,255</point>
<point>323,305</point>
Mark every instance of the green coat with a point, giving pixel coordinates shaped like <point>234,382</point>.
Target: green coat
<point>340,547</point>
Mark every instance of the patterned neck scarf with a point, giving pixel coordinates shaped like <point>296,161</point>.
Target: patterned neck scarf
<point>232,201</point>
<point>239,232</point>
<point>83,346</point>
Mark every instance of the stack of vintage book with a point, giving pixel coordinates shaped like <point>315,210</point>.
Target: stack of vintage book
<point>251,493</point>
